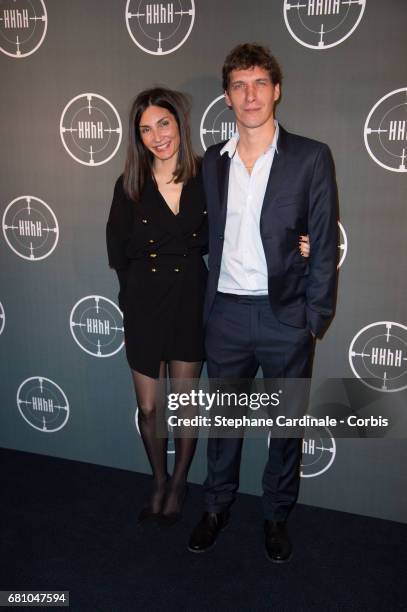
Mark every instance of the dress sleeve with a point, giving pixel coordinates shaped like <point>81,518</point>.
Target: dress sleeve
<point>118,232</point>
<point>200,195</point>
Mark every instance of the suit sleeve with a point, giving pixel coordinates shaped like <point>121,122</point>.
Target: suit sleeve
<point>204,164</point>
<point>323,232</point>
<point>118,231</point>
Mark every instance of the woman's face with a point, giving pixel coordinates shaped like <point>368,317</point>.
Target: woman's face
<point>159,132</point>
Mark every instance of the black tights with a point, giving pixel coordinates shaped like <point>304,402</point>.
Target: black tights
<point>151,398</point>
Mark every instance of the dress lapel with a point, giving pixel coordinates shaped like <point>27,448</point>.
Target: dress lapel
<point>156,207</point>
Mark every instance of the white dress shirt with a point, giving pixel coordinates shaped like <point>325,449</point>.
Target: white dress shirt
<point>243,268</point>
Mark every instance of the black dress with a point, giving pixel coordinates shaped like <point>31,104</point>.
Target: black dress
<point>162,275</point>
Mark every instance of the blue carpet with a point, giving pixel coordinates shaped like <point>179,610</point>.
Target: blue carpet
<point>72,526</point>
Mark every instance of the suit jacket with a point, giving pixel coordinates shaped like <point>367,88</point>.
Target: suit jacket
<point>300,198</point>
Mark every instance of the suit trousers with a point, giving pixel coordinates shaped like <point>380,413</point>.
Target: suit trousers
<point>242,334</point>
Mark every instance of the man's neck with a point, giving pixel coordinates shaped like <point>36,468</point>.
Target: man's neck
<point>254,141</point>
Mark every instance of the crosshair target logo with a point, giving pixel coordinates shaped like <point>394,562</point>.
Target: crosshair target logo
<point>90,129</point>
<point>43,404</point>
<point>218,123</point>
<point>322,24</point>
<point>385,131</point>
<point>30,228</point>
<point>378,356</point>
<point>159,28</point>
<point>96,325</point>
<point>318,452</point>
<point>23,26</point>
<point>343,244</point>
<point>2,318</point>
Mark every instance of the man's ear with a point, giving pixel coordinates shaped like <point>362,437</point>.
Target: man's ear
<point>277,92</point>
<point>227,99</point>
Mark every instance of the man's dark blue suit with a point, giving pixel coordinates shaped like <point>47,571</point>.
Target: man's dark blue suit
<point>274,331</point>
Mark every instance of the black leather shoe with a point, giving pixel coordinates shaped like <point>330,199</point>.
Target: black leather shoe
<point>277,541</point>
<point>204,535</point>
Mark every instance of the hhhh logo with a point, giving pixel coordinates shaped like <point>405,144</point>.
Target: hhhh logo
<point>159,13</point>
<point>96,325</point>
<point>217,123</point>
<point>386,357</point>
<point>378,356</point>
<point>397,130</point>
<point>15,20</point>
<point>385,131</point>
<point>42,404</point>
<point>318,453</point>
<point>90,129</point>
<point>159,28</point>
<point>23,25</point>
<point>321,24</point>
<point>30,228</point>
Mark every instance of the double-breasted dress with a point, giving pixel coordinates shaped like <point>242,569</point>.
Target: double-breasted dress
<point>158,257</point>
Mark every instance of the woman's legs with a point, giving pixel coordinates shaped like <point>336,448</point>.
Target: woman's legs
<point>151,401</point>
<point>181,373</point>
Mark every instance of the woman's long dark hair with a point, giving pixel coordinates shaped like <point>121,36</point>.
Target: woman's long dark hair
<point>139,161</point>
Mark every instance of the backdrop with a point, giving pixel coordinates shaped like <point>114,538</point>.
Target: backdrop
<point>69,72</point>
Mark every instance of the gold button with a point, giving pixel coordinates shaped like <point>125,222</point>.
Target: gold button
<point>176,269</point>
<point>153,255</point>
<point>194,235</point>
<point>153,269</point>
<point>144,220</point>
<point>151,241</point>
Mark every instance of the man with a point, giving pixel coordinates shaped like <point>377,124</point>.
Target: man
<point>265,303</point>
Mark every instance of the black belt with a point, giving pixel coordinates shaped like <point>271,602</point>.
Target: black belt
<point>243,299</point>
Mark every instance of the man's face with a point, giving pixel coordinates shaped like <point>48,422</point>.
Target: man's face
<point>252,96</point>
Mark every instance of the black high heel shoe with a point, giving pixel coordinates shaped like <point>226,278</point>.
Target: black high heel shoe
<point>167,520</point>
<point>147,515</point>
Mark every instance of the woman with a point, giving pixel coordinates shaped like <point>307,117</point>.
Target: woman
<point>156,236</point>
